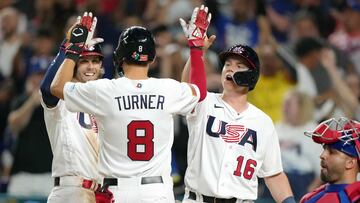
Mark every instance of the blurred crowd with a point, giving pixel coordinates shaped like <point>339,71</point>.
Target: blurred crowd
<point>310,71</point>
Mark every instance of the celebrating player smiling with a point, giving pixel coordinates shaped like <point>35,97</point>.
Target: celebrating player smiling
<point>231,142</point>
<point>73,135</point>
<point>134,115</point>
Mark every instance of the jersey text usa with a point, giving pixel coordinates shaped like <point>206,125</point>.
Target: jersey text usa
<point>232,133</point>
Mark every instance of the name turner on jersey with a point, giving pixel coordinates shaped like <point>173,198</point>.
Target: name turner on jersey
<point>144,101</point>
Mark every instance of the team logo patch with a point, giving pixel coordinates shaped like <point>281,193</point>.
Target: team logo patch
<point>143,57</point>
<point>197,33</point>
<point>71,87</point>
<point>239,50</point>
<point>135,56</point>
<point>234,133</point>
<point>77,32</point>
<point>139,57</point>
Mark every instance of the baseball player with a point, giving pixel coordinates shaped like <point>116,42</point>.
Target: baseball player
<point>134,112</point>
<point>231,142</point>
<point>73,135</point>
<point>340,161</point>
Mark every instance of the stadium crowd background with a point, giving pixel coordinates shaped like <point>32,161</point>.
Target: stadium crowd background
<point>310,66</point>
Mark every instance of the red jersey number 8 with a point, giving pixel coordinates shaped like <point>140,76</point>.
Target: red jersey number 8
<point>140,140</point>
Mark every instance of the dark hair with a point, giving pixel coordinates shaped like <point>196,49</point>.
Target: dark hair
<point>306,45</point>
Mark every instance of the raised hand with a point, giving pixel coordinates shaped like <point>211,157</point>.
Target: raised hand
<point>90,40</point>
<point>68,33</point>
<point>80,33</point>
<point>81,36</point>
<point>195,31</point>
<point>209,41</point>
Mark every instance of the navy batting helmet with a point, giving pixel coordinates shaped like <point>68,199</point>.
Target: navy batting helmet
<point>94,50</point>
<point>136,45</point>
<point>247,78</point>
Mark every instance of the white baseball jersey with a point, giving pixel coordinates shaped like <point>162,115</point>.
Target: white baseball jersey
<point>74,142</point>
<point>227,151</point>
<point>135,119</point>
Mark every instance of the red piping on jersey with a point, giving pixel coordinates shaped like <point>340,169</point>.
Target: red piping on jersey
<point>197,71</point>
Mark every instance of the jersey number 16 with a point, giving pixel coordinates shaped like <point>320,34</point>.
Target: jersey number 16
<point>248,170</point>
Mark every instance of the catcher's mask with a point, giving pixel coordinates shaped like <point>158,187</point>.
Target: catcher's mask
<point>342,134</point>
<point>136,45</point>
<point>247,78</point>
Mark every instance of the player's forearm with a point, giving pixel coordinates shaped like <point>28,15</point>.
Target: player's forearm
<point>186,72</point>
<point>197,71</point>
<point>48,98</point>
<point>279,187</point>
<point>343,90</point>
<point>64,75</point>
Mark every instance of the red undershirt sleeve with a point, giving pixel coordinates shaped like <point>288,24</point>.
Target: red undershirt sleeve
<point>197,71</point>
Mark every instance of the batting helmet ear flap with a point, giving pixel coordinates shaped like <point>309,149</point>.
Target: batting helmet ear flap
<point>246,78</point>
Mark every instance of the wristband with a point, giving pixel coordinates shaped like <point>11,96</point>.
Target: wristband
<point>64,44</point>
<point>290,199</point>
<point>73,52</point>
<point>72,56</point>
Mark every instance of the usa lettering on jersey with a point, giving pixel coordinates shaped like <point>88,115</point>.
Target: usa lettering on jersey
<point>131,102</point>
<point>232,133</point>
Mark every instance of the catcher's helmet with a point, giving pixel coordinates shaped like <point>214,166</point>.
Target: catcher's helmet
<point>247,78</point>
<point>341,134</point>
<point>94,50</point>
<point>136,45</point>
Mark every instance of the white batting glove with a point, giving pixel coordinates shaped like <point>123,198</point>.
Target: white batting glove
<point>195,31</point>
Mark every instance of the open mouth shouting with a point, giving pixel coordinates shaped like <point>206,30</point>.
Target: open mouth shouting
<point>229,77</point>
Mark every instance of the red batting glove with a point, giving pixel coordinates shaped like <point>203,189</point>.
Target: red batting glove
<point>104,197</point>
<point>195,31</point>
<point>81,36</point>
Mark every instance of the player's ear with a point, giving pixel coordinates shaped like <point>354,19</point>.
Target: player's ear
<point>102,71</point>
<point>351,163</point>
